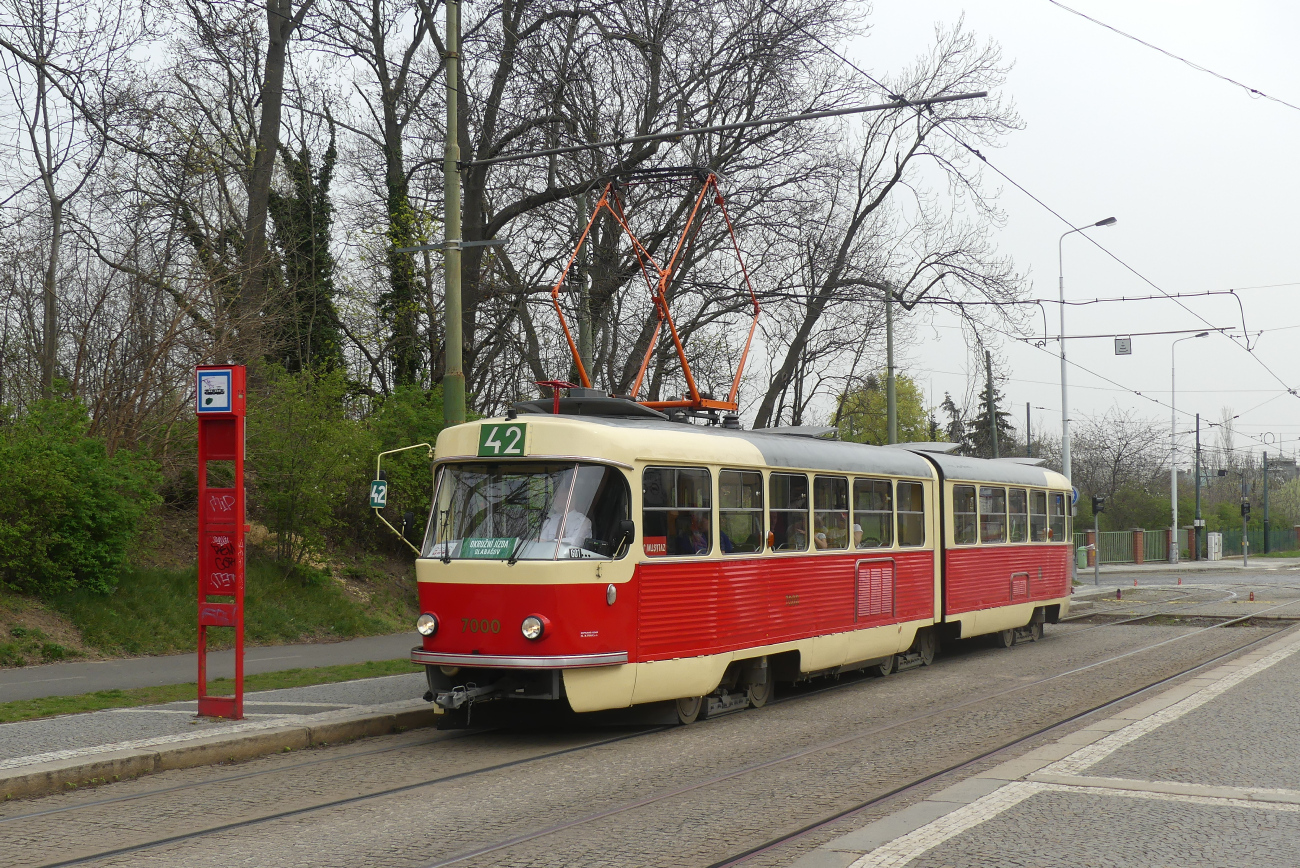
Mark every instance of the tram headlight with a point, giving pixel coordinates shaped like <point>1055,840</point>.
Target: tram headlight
<point>426,624</point>
<point>533,627</point>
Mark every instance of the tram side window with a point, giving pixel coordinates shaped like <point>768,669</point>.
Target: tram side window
<point>993,514</point>
<point>1038,516</point>
<point>676,510</point>
<point>788,507</point>
<point>873,513</point>
<point>911,514</point>
<point>1056,505</point>
<point>1018,507</point>
<point>740,511</point>
<point>964,517</point>
<point>830,512</point>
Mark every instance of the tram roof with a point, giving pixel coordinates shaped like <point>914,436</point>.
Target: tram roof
<point>662,441</point>
<point>1004,471</point>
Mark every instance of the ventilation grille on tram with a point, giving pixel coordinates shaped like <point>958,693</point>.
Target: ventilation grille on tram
<point>875,589</point>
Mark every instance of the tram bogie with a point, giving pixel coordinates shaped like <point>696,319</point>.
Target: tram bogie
<point>623,559</point>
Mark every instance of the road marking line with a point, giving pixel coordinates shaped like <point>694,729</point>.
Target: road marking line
<point>909,846</point>
<point>904,849</point>
<point>1094,753</point>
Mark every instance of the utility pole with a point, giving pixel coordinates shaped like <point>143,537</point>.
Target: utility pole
<point>993,416</point>
<point>1196,525</point>
<point>1029,434</point>
<point>1245,520</point>
<point>1265,503</point>
<point>453,382</point>
<point>891,397</point>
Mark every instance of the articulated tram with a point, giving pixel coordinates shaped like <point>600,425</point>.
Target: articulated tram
<point>600,553</point>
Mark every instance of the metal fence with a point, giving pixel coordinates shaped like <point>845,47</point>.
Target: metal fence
<point>1280,539</point>
<point>1154,547</point>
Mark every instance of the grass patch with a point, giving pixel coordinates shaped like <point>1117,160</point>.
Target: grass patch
<point>153,610</point>
<point>1290,554</point>
<point>51,706</point>
<point>25,645</point>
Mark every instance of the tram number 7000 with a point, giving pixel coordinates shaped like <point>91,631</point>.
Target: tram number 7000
<point>498,440</point>
<point>479,625</point>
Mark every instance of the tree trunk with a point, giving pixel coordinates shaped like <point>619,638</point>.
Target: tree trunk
<point>279,26</point>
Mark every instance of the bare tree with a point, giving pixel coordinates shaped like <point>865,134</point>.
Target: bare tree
<point>65,66</point>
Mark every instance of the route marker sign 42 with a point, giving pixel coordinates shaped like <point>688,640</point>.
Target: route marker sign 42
<point>501,441</point>
<point>378,494</point>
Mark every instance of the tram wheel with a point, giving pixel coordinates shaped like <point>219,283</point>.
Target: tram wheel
<point>926,646</point>
<point>1035,630</point>
<point>885,668</point>
<point>1007,638</point>
<point>759,694</point>
<point>688,709</point>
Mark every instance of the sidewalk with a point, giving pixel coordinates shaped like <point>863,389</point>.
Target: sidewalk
<point>1201,774</point>
<point>43,756</point>
<point>68,679</point>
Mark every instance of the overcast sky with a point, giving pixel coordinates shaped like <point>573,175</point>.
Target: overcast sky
<point>1200,174</point>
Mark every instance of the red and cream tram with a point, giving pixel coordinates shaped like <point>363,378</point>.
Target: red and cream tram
<point>608,556</point>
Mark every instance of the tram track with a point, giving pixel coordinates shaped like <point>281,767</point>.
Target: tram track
<point>661,797</point>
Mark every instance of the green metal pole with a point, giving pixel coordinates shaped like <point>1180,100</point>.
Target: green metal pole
<point>1196,528</point>
<point>891,397</point>
<point>993,416</point>
<point>1265,503</point>
<point>453,384</point>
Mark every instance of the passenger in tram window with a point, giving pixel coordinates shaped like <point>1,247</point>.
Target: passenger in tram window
<point>819,540</point>
<point>798,535</point>
<point>701,537</point>
<point>857,536</point>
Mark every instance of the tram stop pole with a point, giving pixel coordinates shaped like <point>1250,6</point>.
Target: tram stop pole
<point>219,408</point>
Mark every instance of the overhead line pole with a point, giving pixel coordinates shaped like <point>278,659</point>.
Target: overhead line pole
<point>891,396</point>
<point>453,382</point>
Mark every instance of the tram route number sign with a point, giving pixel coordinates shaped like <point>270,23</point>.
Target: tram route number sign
<point>488,547</point>
<point>501,441</point>
<point>378,494</point>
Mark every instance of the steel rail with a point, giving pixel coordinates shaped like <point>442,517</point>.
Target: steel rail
<point>253,821</point>
<point>897,791</point>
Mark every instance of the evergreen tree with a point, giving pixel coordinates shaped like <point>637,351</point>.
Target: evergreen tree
<point>306,322</point>
<point>977,430</point>
<point>955,429</point>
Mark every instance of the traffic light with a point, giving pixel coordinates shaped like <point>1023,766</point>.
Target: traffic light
<point>1098,504</point>
<point>1245,509</point>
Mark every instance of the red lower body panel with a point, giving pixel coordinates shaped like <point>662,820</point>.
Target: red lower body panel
<point>993,576</point>
<point>694,608</point>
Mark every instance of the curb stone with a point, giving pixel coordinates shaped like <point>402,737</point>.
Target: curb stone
<point>42,779</point>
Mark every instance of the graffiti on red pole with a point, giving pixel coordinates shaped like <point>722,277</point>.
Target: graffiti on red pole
<point>219,406</point>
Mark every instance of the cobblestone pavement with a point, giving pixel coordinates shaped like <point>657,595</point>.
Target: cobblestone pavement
<point>1206,773</point>
<point>635,798</point>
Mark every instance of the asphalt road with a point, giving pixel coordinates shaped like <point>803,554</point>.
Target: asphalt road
<point>67,679</point>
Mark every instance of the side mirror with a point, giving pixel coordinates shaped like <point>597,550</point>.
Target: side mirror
<point>627,528</point>
<point>408,523</point>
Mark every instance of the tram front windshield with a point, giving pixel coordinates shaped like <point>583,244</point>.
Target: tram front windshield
<point>527,511</point>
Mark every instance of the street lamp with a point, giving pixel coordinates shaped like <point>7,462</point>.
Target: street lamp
<point>1065,401</point>
<point>1173,449</point>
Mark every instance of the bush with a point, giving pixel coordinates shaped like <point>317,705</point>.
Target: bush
<point>306,455</point>
<point>69,511</point>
